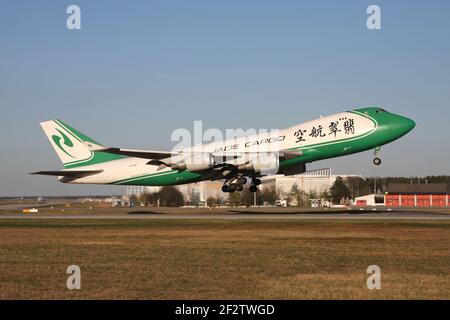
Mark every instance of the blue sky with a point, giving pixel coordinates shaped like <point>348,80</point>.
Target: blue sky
<point>138,70</point>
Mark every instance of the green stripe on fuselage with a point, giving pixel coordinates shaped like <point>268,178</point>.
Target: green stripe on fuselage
<point>162,179</point>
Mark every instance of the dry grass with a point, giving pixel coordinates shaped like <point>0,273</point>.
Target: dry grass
<point>216,259</point>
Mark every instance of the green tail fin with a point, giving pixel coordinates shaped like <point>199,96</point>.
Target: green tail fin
<point>74,148</point>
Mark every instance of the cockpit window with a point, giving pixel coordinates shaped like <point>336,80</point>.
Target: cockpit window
<point>380,110</point>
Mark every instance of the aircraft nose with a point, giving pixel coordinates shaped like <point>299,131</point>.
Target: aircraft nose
<point>407,124</point>
<point>402,125</point>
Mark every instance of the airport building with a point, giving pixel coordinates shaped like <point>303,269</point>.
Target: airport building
<point>318,181</point>
<point>409,195</point>
<point>370,200</point>
<point>418,195</point>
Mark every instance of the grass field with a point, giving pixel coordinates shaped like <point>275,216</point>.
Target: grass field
<point>224,259</point>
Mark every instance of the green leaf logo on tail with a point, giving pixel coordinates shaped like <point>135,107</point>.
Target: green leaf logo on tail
<point>66,141</point>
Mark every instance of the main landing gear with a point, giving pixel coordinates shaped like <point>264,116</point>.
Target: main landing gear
<point>254,186</point>
<point>237,184</point>
<point>376,160</point>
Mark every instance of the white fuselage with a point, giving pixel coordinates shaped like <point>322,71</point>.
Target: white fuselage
<point>298,137</point>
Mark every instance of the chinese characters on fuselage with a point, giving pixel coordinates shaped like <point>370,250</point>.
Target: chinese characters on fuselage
<point>345,126</point>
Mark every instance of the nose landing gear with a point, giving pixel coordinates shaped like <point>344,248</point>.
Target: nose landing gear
<point>376,160</point>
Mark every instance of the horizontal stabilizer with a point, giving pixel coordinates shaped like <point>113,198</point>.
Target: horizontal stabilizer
<point>73,174</point>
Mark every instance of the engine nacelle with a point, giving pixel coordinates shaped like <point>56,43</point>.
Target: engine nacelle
<point>193,162</point>
<point>263,163</point>
<point>295,169</point>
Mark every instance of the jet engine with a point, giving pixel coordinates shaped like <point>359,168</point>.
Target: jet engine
<point>263,163</point>
<point>193,162</point>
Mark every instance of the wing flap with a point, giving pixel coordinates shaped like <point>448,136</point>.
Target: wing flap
<point>74,174</point>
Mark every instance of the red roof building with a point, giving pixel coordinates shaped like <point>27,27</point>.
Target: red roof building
<point>418,195</point>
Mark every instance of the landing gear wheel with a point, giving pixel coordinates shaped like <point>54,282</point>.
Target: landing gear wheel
<point>256,182</point>
<point>225,188</point>
<point>232,189</point>
<point>253,188</point>
<point>242,180</point>
<point>377,161</point>
<point>239,187</point>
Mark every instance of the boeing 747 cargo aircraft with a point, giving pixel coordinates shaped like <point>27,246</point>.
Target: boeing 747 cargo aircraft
<point>238,162</point>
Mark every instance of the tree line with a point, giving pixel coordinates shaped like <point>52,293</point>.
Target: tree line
<point>342,188</point>
<point>168,196</point>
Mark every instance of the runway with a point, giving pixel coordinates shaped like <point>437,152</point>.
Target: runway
<point>247,215</point>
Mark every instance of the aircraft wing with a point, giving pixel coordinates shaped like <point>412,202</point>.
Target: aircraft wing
<point>73,174</point>
<point>163,159</point>
<point>145,154</point>
<point>159,155</point>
